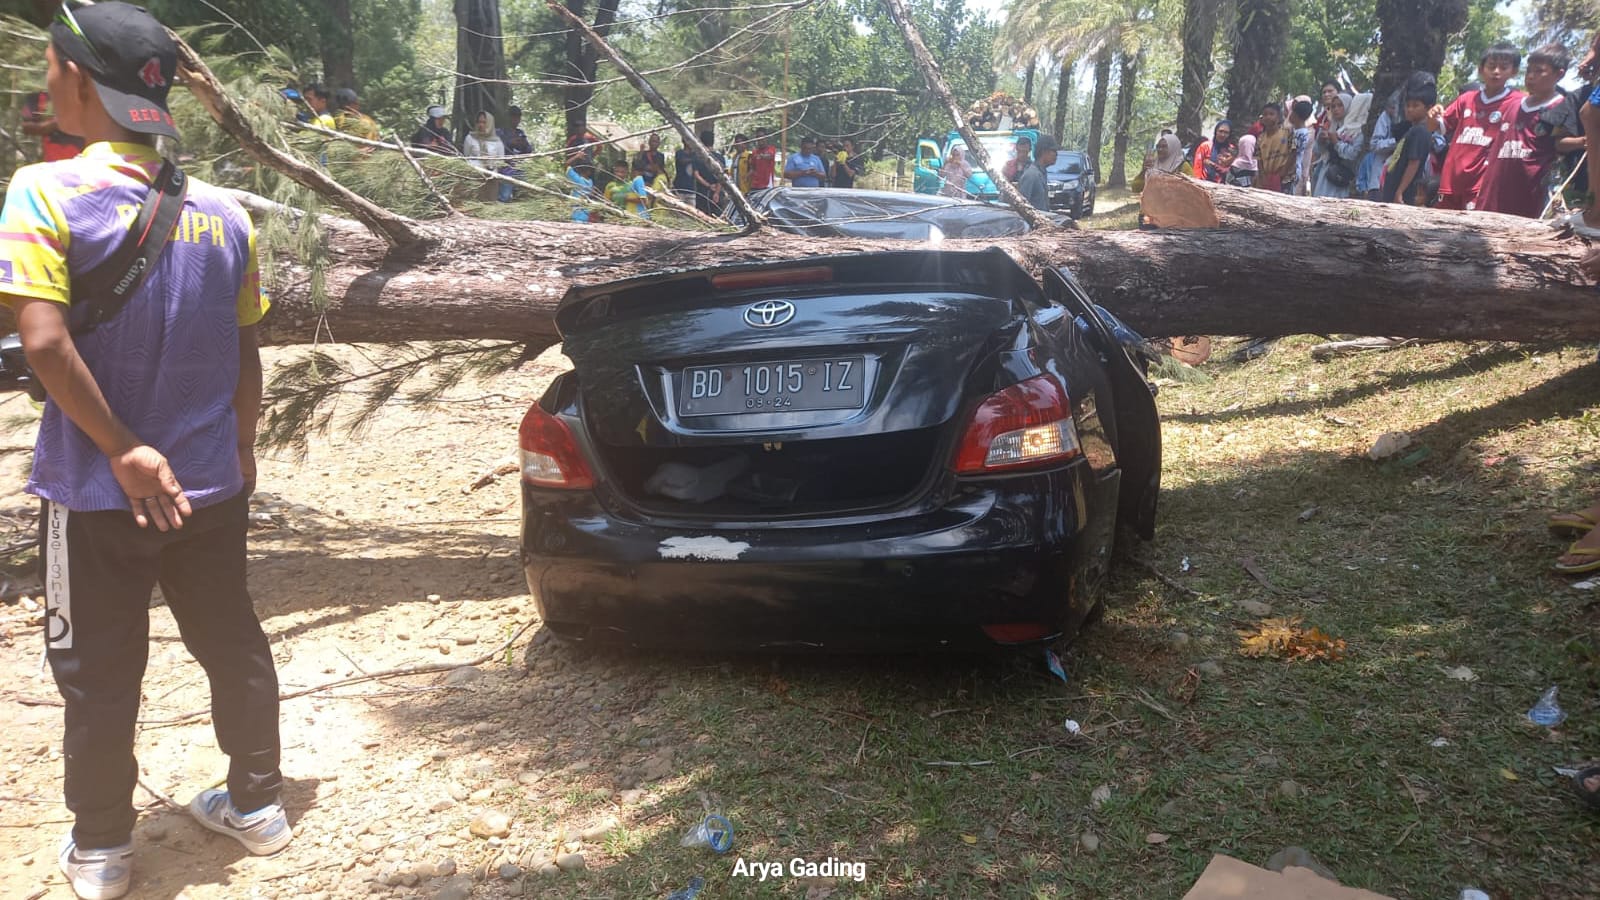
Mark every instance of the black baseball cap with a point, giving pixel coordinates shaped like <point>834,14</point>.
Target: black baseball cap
<point>131,57</point>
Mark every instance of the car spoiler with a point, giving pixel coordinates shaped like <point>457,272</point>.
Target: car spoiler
<point>990,273</point>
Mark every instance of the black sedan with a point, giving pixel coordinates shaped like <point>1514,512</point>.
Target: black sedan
<point>884,215</point>
<point>866,452</point>
<point>1071,185</point>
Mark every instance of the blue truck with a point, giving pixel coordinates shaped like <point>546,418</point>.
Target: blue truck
<point>1001,145</point>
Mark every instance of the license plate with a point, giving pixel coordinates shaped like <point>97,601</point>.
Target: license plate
<point>773,387</point>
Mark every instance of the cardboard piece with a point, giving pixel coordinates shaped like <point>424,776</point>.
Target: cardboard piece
<point>1227,878</point>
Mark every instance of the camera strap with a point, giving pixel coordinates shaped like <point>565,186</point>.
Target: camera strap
<point>99,294</point>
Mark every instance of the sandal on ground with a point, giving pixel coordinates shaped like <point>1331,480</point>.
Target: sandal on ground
<point>1590,561</point>
<point>1578,226</point>
<point>1590,797</point>
<point>1571,523</point>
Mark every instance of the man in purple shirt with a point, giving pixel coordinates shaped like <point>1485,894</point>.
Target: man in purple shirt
<point>144,460</point>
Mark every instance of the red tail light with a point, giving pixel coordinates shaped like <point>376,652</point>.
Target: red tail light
<point>1018,632</point>
<point>550,454</point>
<point>1024,425</point>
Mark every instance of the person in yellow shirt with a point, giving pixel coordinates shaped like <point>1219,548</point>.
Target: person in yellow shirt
<point>316,96</point>
<point>628,191</point>
<point>656,181</point>
<point>743,155</point>
<point>351,119</point>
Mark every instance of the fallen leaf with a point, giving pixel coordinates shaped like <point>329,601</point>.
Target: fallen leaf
<point>969,838</point>
<point>1286,639</point>
<point>1509,775</point>
<point>1156,837</point>
<point>1461,673</point>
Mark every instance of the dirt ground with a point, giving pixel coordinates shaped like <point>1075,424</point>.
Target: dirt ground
<point>370,556</point>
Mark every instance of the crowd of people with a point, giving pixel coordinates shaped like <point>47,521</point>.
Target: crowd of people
<point>1493,148</point>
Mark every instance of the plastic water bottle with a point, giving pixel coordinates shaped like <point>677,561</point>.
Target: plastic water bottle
<point>696,885</point>
<point>1547,711</point>
<point>715,832</point>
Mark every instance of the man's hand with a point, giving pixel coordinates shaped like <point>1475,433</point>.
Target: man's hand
<point>247,467</point>
<point>153,491</point>
<point>1436,118</point>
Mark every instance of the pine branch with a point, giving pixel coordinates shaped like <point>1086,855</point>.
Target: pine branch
<point>929,68</point>
<point>659,103</point>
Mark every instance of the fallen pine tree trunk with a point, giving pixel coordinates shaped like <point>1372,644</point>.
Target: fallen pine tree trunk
<point>1277,265</point>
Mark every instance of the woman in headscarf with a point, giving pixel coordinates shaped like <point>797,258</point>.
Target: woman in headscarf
<point>1339,146</point>
<point>1204,155</point>
<point>956,171</point>
<point>1386,133</point>
<point>1243,171</point>
<point>484,149</point>
<point>1166,157</point>
<point>434,134</point>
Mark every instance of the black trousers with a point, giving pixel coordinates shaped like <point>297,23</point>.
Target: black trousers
<point>98,569</point>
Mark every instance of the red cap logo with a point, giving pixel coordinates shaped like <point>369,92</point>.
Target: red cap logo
<point>151,74</point>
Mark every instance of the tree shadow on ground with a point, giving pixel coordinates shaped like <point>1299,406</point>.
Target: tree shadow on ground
<point>1471,364</point>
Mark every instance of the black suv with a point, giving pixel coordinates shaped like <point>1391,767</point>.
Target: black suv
<point>1071,184</point>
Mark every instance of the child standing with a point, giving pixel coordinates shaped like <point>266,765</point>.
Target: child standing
<point>1405,176</point>
<point>1300,120</point>
<point>1517,180</point>
<point>1476,123</point>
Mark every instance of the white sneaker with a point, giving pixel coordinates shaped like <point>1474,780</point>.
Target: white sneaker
<point>263,832</point>
<point>97,874</point>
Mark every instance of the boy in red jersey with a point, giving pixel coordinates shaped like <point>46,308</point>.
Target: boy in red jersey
<point>1517,180</point>
<point>1475,124</point>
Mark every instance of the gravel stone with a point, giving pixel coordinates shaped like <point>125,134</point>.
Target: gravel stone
<point>490,823</point>
<point>599,830</point>
<point>570,862</point>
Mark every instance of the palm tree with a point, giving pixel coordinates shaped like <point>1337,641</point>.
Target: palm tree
<point>1199,44</point>
<point>1102,29</point>
<point>1415,33</point>
<point>1261,37</point>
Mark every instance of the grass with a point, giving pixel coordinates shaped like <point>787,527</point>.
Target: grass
<point>1421,565</point>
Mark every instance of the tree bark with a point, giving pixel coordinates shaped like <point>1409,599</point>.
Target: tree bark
<point>1097,112</point>
<point>339,47</point>
<point>582,62</point>
<point>1127,88</point>
<point>1027,82</point>
<point>1063,95</point>
<point>480,63</point>
<point>1415,36</point>
<point>1200,19</point>
<point>1261,36</point>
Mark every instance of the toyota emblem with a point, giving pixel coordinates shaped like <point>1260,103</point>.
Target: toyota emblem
<point>769,314</point>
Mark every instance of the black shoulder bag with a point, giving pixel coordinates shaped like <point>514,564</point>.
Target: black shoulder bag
<point>102,292</point>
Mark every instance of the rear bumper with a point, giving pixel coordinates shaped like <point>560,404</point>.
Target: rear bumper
<point>1000,551</point>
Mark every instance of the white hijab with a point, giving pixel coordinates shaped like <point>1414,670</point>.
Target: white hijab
<point>1354,123</point>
